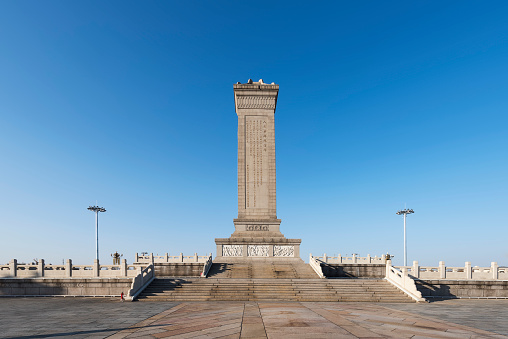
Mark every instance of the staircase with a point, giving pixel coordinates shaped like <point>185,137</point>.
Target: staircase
<point>294,281</point>
<point>195,289</point>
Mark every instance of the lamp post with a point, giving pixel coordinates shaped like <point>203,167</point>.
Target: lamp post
<point>405,212</point>
<point>96,209</point>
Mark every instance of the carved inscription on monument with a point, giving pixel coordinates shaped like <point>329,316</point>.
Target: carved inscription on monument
<point>232,250</point>
<point>257,250</point>
<point>257,228</point>
<point>256,162</point>
<point>283,251</point>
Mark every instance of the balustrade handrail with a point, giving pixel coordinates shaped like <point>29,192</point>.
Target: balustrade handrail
<point>171,258</point>
<point>404,282</point>
<point>315,263</point>
<point>207,266</point>
<point>41,270</point>
<point>352,260</point>
<point>467,272</point>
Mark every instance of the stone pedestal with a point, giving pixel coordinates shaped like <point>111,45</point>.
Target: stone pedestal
<point>257,230</point>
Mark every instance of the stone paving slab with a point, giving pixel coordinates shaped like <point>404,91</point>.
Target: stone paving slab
<point>108,318</point>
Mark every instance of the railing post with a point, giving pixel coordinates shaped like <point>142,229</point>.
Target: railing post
<point>40,268</point>
<point>181,257</point>
<point>416,269</point>
<point>494,270</point>
<point>369,259</point>
<point>339,259</point>
<point>383,258</point>
<point>324,258</point>
<point>166,258</point>
<point>96,268</point>
<point>195,257</point>
<point>151,258</point>
<point>14,267</point>
<point>68,268</point>
<point>123,268</point>
<point>468,271</point>
<point>442,270</point>
<point>388,266</point>
<point>354,258</point>
<point>137,257</point>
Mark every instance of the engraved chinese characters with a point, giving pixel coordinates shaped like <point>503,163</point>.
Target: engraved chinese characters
<point>256,162</point>
<point>257,228</point>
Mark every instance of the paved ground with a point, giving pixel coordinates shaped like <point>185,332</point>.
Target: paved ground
<point>101,318</point>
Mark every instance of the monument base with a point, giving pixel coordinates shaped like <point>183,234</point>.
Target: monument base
<point>237,248</point>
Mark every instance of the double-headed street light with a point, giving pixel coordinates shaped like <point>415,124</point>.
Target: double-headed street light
<point>405,212</point>
<point>96,209</point>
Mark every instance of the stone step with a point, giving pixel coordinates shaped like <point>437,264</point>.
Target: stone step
<point>350,290</point>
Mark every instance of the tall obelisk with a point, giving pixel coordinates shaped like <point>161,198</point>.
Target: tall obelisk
<point>257,234</point>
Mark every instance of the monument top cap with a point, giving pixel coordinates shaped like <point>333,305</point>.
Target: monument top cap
<point>255,84</point>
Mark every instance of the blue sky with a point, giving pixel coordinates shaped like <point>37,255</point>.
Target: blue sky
<point>381,104</point>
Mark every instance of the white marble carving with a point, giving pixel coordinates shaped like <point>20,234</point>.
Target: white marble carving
<point>232,250</point>
<point>283,251</point>
<point>256,101</point>
<point>257,250</point>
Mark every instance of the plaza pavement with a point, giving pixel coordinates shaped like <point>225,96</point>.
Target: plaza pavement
<point>107,318</point>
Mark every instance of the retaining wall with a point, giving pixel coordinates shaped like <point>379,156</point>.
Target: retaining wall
<point>178,269</point>
<point>70,287</point>
<point>462,288</point>
<point>354,270</point>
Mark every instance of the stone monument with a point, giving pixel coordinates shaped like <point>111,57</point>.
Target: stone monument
<point>257,234</point>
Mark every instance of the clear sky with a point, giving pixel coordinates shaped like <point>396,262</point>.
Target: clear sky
<point>130,104</point>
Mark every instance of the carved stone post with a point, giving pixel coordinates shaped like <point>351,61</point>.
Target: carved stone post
<point>96,268</point>
<point>468,271</point>
<point>181,257</point>
<point>40,268</point>
<point>123,268</point>
<point>325,258</point>
<point>416,269</point>
<point>388,266</point>
<point>13,267</point>
<point>442,270</point>
<point>68,268</point>
<point>494,270</point>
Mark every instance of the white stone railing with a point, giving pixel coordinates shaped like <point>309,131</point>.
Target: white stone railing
<point>143,278</point>
<point>401,280</point>
<point>352,260</point>
<point>494,272</point>
<point>41,270</point>
<point>207,266</point>
<point>315,263</point>
<point>149,259</point>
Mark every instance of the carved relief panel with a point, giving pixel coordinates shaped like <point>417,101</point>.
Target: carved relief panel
<point>257,250</point>
<point>232,250</point>
<point>283,251</point>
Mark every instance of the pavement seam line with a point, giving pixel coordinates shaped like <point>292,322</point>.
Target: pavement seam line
<point>262,321</point>
<point>444,322</point>
<point>134,328</point>
<point>330,320</point>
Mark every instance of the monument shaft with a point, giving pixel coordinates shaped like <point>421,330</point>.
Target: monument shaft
<point>257,229</point>
<point>255,106</point>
